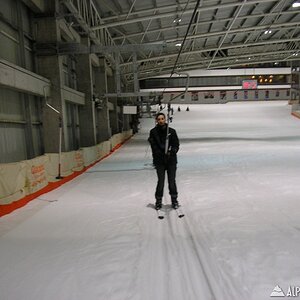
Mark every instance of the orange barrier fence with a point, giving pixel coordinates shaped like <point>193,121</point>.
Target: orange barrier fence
<point>24,181</point>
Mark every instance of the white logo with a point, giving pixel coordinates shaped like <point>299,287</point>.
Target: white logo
<point>277,292</point>
<point>293,291</point>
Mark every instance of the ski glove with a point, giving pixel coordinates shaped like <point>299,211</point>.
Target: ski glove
<point>173,150</point>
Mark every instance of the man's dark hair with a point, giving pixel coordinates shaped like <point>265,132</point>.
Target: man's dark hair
<point>160,114</point>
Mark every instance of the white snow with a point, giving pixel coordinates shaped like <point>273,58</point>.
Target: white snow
<point>238,182</point>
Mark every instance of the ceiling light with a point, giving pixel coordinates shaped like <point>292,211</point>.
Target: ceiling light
<point>268,31</point>
<point>296,4</point>
<point>178,45</point>
<point>177,20</point>
<point>249,58</point>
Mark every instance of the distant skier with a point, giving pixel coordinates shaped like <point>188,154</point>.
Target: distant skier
<point>164,160</point>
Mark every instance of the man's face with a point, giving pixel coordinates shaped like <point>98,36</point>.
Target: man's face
<point>161,120</point>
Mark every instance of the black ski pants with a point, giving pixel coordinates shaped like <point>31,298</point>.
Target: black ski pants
<point>161,171</point>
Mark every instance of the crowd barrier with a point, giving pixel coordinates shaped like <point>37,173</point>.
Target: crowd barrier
<point>12,182</point>
<point>23,181</point>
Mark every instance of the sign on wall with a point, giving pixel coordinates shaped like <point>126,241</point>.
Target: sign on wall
<point>249,84</point>
<point>129,110</point>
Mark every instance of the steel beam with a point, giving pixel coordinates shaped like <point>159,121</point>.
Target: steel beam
<point>76,48</point>
<point>226,63</point>
<point>118,73</point>
<point>233,61</point>
<point>132,94</point>
<point>171,28</point>
<point>240,45</point>
<point>135,74</point>
<point>227,31</point>
<point>171,14</point>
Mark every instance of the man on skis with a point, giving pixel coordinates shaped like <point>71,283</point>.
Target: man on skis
<point>164,160</point>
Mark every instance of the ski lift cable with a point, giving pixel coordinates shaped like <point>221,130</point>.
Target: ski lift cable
<point>186,34</point>
<point>179,53</point>
<point>173,72</point>
<point>184,39</point>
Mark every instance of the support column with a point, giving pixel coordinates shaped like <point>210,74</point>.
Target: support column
<point>87,122</point>
<point>103,123</point>
<point>113,114</point>
<point>135,73</point>
<point>26,102</point>
<point>51,68</point>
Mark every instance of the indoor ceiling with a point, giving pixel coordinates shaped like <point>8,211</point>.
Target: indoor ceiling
<point>222,33</point>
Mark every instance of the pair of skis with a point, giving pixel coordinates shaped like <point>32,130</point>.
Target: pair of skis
<point>161,213</point>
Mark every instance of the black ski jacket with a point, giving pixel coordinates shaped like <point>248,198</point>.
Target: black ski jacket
<point>157,140</point>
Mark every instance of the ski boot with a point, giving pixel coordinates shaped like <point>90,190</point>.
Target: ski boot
<point>175,203</point>
<point>158,204</point>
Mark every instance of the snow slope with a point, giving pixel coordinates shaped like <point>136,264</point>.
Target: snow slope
<point>238,182</point>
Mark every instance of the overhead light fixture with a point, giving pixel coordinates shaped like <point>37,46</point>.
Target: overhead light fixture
<point>178,45</point>
<point>276,63</point>
<point>177,20</point>
<point>249,58</point>
<point>296,4</point>
<point>268,31</point>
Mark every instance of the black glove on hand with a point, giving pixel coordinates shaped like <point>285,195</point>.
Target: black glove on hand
<point>173,150</point>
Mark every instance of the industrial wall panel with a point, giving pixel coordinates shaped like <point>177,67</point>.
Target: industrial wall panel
<point>72,126</point>
<point>12,143</point>
<point>9,49</point>
<point>8,8</point>
<point>29,57</point>
<point>35,108</point>
<point>26,24</point>
<point>11,105</point>
<point>37,140</point>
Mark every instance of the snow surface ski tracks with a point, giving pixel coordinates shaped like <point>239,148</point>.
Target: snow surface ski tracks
<point>180,264</point>
<point>193,281</point>
<point>176,266</point>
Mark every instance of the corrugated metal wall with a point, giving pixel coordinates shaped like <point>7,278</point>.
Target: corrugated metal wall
<point>12,129</point>
<point>72,126</point>
<point>15,144</point>
<point>20,114</point>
